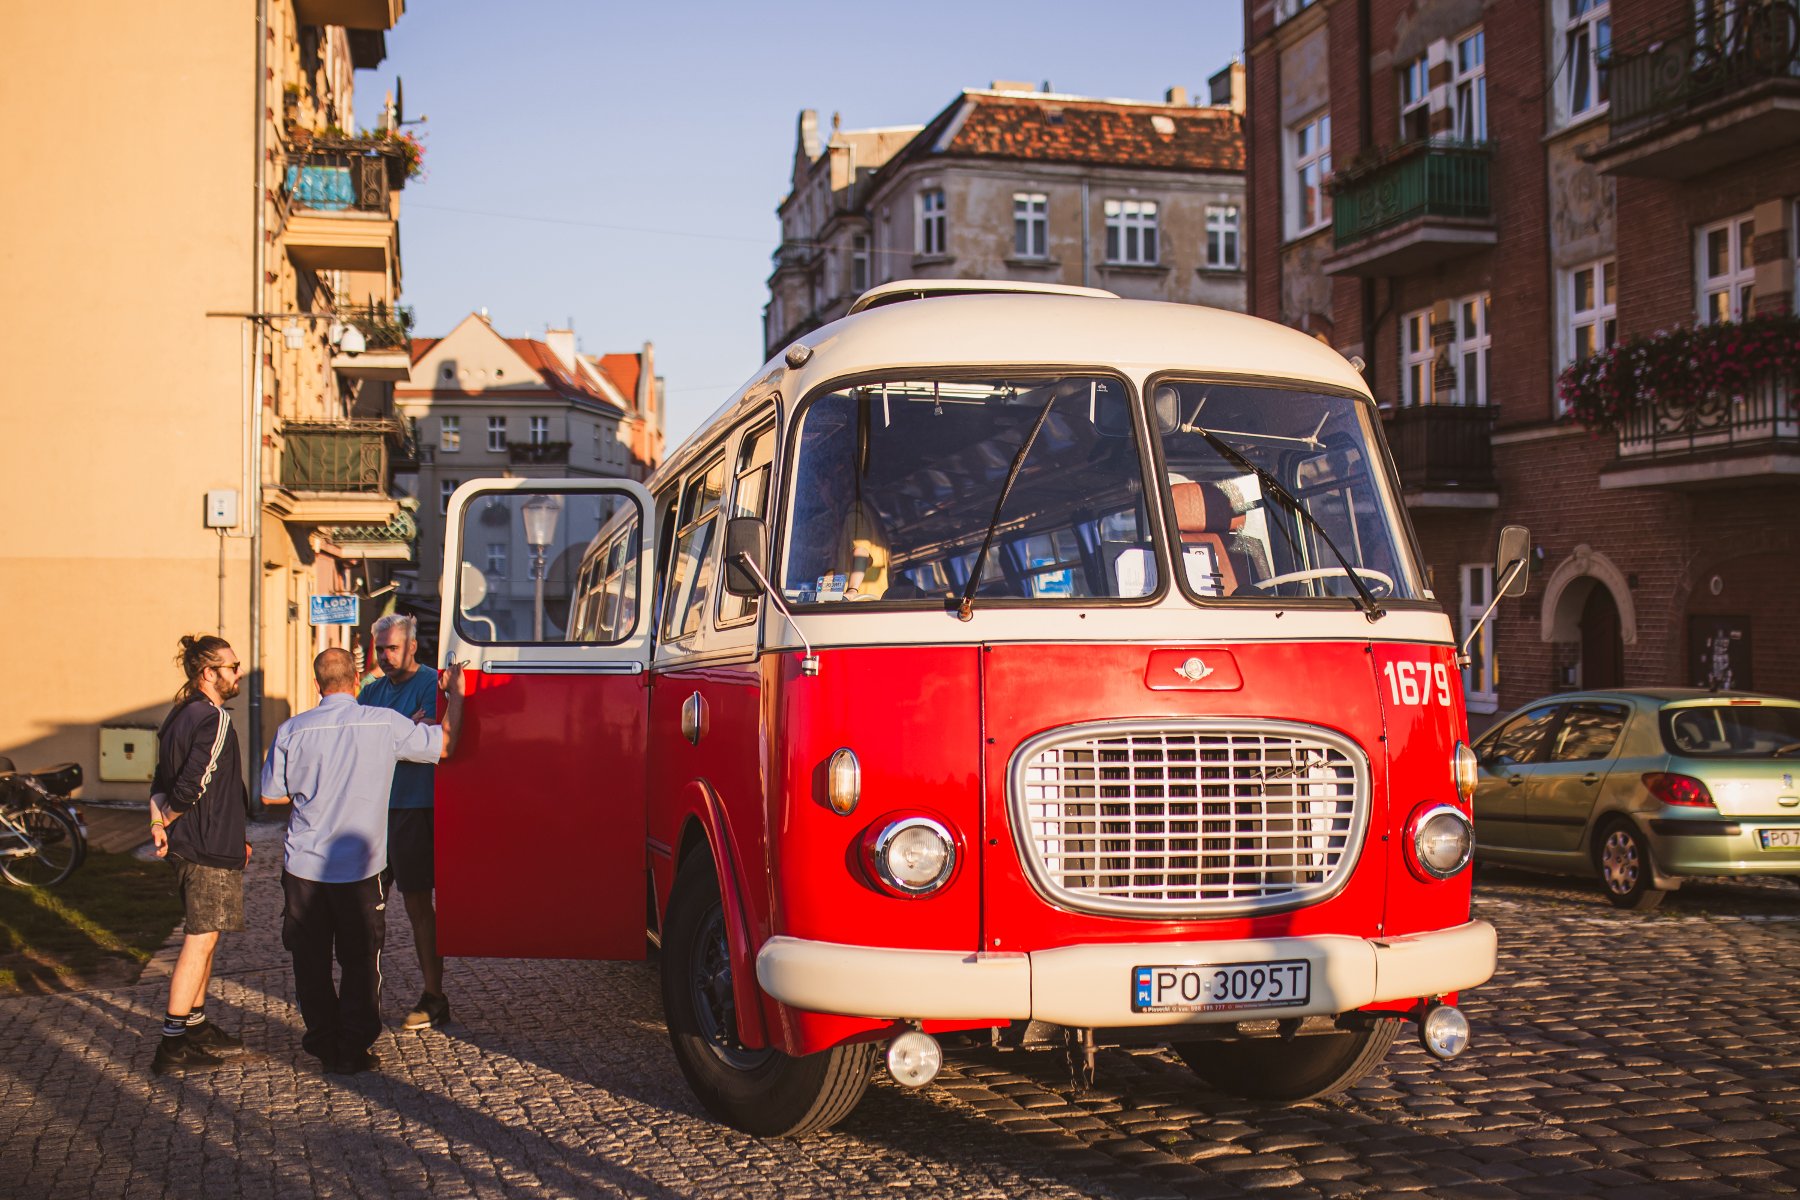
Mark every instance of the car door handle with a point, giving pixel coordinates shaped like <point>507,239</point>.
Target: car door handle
<point>1514,780</point>
<point>1590,778</point>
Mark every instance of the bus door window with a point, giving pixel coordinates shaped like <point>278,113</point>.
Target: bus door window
<point>690,582</point>
<point>749,498</point>
<point>525,575</point>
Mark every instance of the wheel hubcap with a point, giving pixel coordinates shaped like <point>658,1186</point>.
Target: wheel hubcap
<point>715,1005</point>
<point>1619,862</point>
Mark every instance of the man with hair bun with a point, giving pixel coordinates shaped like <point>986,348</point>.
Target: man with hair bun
<point>335,764</point>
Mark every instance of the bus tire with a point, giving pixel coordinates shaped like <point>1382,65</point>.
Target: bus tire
<point>762,1092</point>
<point>1289,1071</point>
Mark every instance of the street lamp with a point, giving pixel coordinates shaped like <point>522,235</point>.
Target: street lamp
<point>540,513</point>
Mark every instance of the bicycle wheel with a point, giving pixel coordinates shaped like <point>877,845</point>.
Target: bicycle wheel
<point>59,848</point>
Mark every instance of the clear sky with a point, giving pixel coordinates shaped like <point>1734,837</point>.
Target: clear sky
<point>618,165</point>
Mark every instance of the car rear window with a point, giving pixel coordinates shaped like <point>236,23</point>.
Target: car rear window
<point>1731,730</point>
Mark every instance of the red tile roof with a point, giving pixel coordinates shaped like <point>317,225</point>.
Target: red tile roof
<point>624,370</point>
<point>1050,128</point>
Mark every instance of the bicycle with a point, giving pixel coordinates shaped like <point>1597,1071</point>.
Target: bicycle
<point>42,841</point>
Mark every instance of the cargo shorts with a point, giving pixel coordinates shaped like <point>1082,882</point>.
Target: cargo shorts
<point>212,898</point>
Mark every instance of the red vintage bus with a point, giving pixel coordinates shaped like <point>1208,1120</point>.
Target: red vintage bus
<point>1024,662</point>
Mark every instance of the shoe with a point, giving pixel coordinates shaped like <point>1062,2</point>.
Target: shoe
<point>183,1056</point>
<point>353,1063</point>
<point>428,1012</point>
<point>214,1041</point>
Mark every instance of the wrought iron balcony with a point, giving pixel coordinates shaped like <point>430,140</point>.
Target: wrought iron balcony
<point>538,453</point>
<point>1426,202</point>
<point>338,456</point>
<point>1714,426</point>
<point>1444,454</point>
<point>383,326</point>
<point>1706,91</point>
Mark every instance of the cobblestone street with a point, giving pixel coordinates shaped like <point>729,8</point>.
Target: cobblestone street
<point>1619,1054</point>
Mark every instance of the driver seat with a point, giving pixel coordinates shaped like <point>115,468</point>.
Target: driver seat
<point>1202,519</point>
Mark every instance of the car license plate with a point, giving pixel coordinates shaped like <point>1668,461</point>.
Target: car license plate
<point>1280,984</point>
<point>1779,839</point>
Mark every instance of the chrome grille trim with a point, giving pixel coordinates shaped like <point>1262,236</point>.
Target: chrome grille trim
<point>1196,817</point>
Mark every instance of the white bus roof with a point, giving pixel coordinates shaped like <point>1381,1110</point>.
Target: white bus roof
<point>921,289</point>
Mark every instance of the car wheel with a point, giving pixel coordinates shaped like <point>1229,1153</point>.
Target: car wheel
<point>1288,1072</point>
<point>1622,858</point>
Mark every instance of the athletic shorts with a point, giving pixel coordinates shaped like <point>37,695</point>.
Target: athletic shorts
<point>212,898</point>
<point>410,837</point>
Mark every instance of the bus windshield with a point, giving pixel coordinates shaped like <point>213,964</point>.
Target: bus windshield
<point>1278,493</point>
<point>898,482</point>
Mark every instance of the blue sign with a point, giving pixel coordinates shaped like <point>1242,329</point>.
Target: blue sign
<point>335,610</point>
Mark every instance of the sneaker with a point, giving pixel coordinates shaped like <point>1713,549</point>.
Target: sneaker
<point>183,1056</point>
<point>428,1012</point>
<point>352,1063</point>
<point>214,1041</point>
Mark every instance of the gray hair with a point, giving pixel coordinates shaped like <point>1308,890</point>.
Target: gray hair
<point>405,622</point>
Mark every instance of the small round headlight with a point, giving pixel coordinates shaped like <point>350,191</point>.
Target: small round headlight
<point>1465,768</point>
<point>912,856</point>
<point>1441,840</point>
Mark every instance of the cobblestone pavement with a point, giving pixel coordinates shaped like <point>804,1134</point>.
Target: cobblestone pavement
<point>1636,1055</point>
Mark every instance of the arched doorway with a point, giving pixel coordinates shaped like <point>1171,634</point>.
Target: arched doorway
<point>1602,641</point>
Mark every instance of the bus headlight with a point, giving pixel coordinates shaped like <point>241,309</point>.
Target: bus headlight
<point>910,856</point>
<point>1439,841</point>
<point>1466,771</point>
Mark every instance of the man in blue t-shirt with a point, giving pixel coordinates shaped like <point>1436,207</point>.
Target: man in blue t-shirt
<point>412,691</point>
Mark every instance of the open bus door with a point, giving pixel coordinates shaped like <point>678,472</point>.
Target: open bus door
<point>540,808</point>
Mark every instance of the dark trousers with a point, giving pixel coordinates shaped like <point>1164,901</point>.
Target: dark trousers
<point>351,919</point>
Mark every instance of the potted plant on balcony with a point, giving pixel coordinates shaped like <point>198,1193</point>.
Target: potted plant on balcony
<point>1677,370</point>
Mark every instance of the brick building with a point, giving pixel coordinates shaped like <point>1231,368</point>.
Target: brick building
<point>1471,197</point>
<point>1141,198</point>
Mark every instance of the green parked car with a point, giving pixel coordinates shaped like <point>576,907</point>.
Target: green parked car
<point>1642,787</point>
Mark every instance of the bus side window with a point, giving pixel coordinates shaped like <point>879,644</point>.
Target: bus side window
<point>665,561</point>
<point>691,574</point>
<point>749,498</point>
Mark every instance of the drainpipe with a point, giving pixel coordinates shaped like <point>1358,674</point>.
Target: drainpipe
<point>1085,256</point>
<point>259,257</point>
<point>1365,136</point>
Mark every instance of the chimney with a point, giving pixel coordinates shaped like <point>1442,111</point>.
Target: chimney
<point>808,133</point>
<point>646,393</point>
<point>1176,96</point>
<point>562,344</point>
<point>1226,89</point>
<point>1011,85</point>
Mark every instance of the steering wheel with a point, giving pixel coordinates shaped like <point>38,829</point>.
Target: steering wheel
<point>1380,585</point>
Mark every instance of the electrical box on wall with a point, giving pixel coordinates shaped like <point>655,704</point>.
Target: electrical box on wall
<point>222,508</point>
<point>127,753</point>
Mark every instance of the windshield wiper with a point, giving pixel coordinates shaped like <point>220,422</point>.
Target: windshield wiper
<point>1787,749</point>
<point>966,609</point>
<point>1364,599</point>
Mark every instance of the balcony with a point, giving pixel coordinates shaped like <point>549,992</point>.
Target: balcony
<point>351,14</point>
<point>339,210</point>
<point>336,473</point>
<point>1711,440</point>
<point>1694,96</point>
<point>1445,456</point>
<point>538,453</point>
<point>1411,209</point>
<point>386,331</point>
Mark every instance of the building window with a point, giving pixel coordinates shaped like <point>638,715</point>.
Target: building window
<point>859,263</point>
<point>540,430</point>
<point>1131,232</point>
<point>1309,150</point>
<point>1468,87</point>
<point>449,434</point>
<point>1031,225</point>
<point>1473,347</point>
<point>446,488</point>
<point>1222,237</point>
<point>1586,44</point>
<point>1415,101</point>
<point>1415,358</point>
<point>932,222</point>
<point>1481,689</point>
<point>496,559</point>
<point>1726,270</point>
<point>496,433</point>
<point>1590,297</point>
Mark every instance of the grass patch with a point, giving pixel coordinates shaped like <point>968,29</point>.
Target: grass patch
<point>101,925</point>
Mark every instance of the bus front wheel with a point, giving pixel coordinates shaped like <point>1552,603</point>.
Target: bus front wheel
<point>761,1091</point>
<point>1289,1071</point>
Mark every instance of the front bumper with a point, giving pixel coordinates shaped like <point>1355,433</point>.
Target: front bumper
<point>1090,986</point>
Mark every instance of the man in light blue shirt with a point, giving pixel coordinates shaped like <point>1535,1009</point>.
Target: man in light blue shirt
<point>335,764</point>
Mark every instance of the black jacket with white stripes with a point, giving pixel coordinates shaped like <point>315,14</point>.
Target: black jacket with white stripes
<point>200,777</point>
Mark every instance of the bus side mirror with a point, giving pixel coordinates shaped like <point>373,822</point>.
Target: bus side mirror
<point>745,538</point>
<point>1515,548</point>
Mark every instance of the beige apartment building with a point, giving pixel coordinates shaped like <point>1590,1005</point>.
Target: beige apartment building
<point>488,406</point>
<point>203,260</point>
<point>1141,198</point>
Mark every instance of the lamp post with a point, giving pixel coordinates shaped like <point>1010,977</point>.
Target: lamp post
<point>539,513</point>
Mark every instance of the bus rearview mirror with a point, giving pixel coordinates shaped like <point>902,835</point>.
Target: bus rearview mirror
<point>1515,547</point>
<point>745,538</point>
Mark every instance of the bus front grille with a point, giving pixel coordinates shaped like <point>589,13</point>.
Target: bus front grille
<point>1189,817</point>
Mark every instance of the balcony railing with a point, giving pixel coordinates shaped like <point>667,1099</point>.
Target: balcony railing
<point>1763,415</point>
<point>1695,61</point>
<point>538,452</point>
<point>344,456</point>
<point>1439,447</point>
<point>345,174</point>
<point>383,326</point>
<point>1428,180</point>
